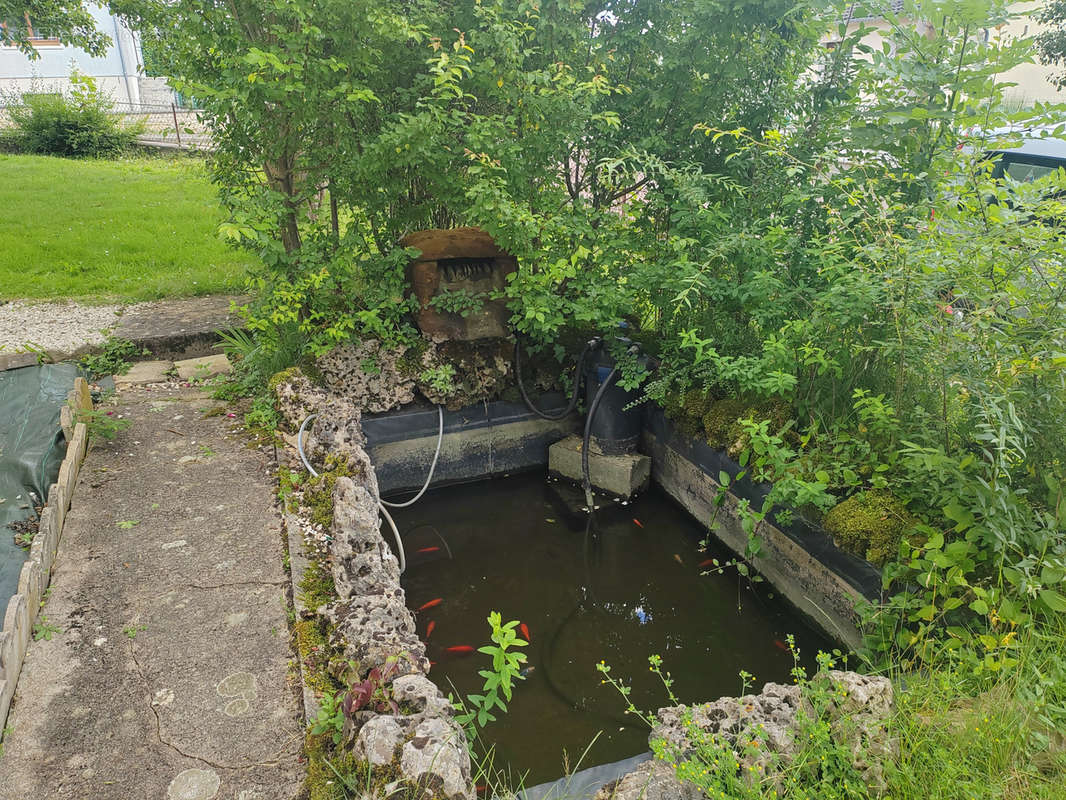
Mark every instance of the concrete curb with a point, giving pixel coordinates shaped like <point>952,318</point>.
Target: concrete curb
<point>298,564</point>
<point>24,607</point>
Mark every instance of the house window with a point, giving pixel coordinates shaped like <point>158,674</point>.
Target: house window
<point>37,37</point>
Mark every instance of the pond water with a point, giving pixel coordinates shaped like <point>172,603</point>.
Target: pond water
<point>623,588</point>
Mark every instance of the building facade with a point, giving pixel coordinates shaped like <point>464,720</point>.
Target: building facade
<point>116,72</point>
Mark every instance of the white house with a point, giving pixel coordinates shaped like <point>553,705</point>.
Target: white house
<point>116,71</point>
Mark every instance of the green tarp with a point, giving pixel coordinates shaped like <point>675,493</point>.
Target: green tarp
<point>31,450</point>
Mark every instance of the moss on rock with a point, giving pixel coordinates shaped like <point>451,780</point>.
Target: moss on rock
<point>316,585</point>
<point>312,643</point>
<point>318,494</point>
<point>870,524</point>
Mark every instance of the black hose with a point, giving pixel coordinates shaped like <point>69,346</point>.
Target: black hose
<point>586,481</point>
<point>573,394</point>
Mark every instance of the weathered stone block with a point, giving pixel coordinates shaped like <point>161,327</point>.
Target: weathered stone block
<point>84,394</point>
<point>66,422</point>
<point>145,372</point>
<point>618,475</point>
<point>17,624</point>
<point>79,443</point>
<point>30,587</point>
<point>362,562</point>
<point>65,483</point>
<point>202,368</point>
<point>437,758</point>
<point>459,260</point>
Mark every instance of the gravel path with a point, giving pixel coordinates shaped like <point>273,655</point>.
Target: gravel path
<point>56,327</point>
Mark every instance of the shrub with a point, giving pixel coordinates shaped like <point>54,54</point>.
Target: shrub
<point>78,126</point>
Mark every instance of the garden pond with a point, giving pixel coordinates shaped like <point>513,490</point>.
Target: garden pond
<point>628,583</point>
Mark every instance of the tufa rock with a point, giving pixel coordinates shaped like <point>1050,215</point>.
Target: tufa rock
<point>378,739</point>
<point>372,628</point>
<point>373,378</point>
<point>296,397</point>
<point>858,709</point>
<point>361,563</point>
<point>652,780</point>
<point>436,759</point>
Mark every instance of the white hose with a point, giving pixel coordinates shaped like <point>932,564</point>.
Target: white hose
<point>381,508</point>
<point>432,466</point>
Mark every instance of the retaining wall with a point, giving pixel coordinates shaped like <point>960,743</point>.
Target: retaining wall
<point>24,607</point>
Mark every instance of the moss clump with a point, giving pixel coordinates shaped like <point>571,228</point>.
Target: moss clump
<point>870,524</point>
<point>686,411</point>
<point>316,585</point>
<point>285,376</point>
<point>334,773</point>
<point>312,643</point>
<point>318,494</point>
<point>722,427</point>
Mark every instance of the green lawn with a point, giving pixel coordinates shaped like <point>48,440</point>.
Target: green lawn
<point>134,229</point>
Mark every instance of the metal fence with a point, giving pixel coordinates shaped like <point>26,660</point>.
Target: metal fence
<point>162,123</point>
<point>168,123</point>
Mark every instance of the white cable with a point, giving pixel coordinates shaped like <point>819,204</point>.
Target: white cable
<point>432,466</point>
<point>381,508</point>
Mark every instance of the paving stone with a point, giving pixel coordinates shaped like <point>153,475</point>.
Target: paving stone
<point>204,367</point>
<point>145,372</point>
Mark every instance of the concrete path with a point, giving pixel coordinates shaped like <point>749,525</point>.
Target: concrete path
<point>167,674</point>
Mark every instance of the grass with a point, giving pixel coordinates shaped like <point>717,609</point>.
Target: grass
<point>127,230</point>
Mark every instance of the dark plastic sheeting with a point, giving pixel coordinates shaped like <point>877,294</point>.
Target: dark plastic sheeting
<point>31,449</point>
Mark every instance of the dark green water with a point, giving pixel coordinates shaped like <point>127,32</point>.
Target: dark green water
<point>617,592</point>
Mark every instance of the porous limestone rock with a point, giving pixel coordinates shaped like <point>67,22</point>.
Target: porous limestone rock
<point>436,758</point>
<point>361,561</point>
<point>296,396</point>
<point>858,708</point>
<point>652,780</point>
<point>420,696</point>
<point>477,371</point>
<point>370,376</point>
<point>371,629</point>
<point>378,739</point>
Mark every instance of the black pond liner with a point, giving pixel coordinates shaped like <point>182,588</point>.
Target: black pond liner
<point>31,449</point>
<point>863,576</point>
<point>420,421</point>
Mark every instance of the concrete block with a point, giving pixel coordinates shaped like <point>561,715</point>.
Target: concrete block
<point>66,422</point>
<point>7,693</point>
<point>201,368</point>
<point>17,624</point>
<point>40,555</point>
<point>85,396</point>
<point>49,532</point>
<point>66,484</point>
<point>57,510</point>
<point>79,443</point>
<point>145,372</point>
<point>621,476</point>
<point>30,587</point>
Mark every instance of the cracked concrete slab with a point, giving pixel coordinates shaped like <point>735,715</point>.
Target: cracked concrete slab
<point>168,676</point>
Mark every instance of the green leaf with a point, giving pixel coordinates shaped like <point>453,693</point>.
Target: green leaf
<point>1053,600</point>
<point>979,607</point>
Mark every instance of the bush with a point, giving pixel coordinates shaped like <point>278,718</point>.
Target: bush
<point>78,126</point>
